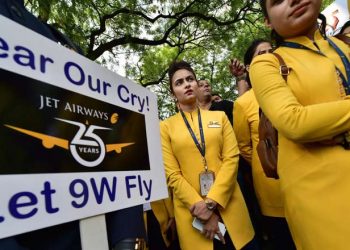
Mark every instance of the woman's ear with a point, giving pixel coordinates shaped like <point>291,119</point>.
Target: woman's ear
<point>174,97</point>
<point>247,68</point>
<point>267,23</point>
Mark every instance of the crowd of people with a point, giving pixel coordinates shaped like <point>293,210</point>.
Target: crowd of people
<point>67,236</point>
<point>219,195</point>
<point>306,207</point>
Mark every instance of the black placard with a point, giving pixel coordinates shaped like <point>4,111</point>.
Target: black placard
<point>46,110</point>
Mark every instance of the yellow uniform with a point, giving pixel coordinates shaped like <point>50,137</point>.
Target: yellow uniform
<point>310,107</point>
<point>183,164</point>
<point>246,114</point>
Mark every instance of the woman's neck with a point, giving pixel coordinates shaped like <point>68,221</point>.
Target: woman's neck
<point>311,33</point>
<point>205,104</point>
<point>188,107</point>
<point>308,32</point>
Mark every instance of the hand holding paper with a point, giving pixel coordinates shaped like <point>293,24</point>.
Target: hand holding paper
<point>198,225</point>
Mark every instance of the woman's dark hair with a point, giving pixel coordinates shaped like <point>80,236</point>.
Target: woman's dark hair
<point>345,25</point>
<point>277,38</point>
<point>323,24</point>
<point>249,55</point>
<point>175,66</point>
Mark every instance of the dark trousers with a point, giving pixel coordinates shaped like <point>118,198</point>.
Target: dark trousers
<point>245,181</point>
<point>124,224</point>
<point>155,239</point>
<point>252,245</point>
<point>279,237</point>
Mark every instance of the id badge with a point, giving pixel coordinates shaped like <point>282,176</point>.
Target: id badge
<point>206,179</point>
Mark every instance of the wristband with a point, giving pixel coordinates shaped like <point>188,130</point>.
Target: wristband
<point>241,77</point>
<point>210,205</point>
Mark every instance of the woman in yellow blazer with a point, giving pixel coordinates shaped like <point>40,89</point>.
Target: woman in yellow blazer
<point>246,113</point>
<point>268,192</point>
<point>185,165</point>
<point>312,107</point>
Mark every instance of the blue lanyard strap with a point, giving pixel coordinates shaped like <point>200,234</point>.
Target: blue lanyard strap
<point>346,63</point>
<point>201,148</point>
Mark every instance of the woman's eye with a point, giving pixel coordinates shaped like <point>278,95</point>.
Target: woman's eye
<point>265,51</point>
<point>276,2</point>
<point>178,83</point>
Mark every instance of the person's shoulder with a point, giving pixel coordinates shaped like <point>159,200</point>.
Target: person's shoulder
<point>341,40</point>
<point>263,64</point>
<point>213,113</point>
<point>226,102</point>
<point>221,104</point>
<point>247,103</point>
<point>164,125</point>
<point>245,98</point>
<point>269,58</point>
<point>169,120</point>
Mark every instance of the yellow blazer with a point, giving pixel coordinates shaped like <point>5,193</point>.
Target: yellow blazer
<point>311,106</point>
<point>183,164</point>
<point>246,114</point>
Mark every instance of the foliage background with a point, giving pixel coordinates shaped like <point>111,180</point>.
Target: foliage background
<point>144,36</point>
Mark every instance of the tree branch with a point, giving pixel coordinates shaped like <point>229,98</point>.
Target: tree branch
<point>106,17</point>
<point>94,54</point>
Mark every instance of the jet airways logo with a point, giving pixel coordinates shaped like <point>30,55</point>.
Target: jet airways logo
<point>87,147</point>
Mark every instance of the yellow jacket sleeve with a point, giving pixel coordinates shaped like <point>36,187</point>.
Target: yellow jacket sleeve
<point>242,131</point>
<point>183,190</point>
<point>299,123</point>
<point>169,205</point>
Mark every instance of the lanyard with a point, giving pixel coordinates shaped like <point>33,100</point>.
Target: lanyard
<point>201,148</point>
<point>346,63</point>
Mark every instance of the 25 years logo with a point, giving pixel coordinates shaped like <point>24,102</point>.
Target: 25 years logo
<point>86,147</point>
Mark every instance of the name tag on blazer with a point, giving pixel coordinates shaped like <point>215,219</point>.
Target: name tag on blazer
<point>214,124</point>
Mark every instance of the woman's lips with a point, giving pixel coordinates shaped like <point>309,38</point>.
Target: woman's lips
<point>300,9</point>
<point>188,92</point>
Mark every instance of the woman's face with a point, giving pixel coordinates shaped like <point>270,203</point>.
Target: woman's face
<point>291,18</point>
<point>184,86</point>
<point>263,48</point>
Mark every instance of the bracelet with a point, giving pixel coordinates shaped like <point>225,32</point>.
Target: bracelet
<point>211,206</point>
<point>241,77</point>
